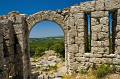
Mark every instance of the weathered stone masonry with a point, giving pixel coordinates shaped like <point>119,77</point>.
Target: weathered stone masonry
<point>15,29</point>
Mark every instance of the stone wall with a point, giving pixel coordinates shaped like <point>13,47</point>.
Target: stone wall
<point>15,29</point>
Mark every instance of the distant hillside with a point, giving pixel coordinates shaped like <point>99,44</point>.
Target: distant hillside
<point>45,39</point>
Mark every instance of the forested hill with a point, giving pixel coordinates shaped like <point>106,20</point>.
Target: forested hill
<point>39,45</point>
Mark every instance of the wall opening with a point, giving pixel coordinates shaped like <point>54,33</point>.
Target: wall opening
<point>112,30</point>
<point>47,48</point>
<point>87,32</point>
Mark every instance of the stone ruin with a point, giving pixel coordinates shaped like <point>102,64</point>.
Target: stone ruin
<point>80,53</point>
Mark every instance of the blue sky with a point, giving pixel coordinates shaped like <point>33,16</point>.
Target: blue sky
<point>30,7</point>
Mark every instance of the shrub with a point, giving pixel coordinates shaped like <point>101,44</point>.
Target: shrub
<point>103,70</point>
<point>82,71</point>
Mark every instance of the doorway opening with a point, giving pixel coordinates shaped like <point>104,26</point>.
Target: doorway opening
<point>47,50</point>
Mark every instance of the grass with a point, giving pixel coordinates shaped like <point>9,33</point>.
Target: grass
<point>98,73</point>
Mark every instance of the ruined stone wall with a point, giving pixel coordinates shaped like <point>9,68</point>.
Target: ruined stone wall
<point>15,29</point>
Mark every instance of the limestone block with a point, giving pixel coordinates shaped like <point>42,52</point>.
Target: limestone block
<point>98,55</point>
<point>72,34</point>
<point>118,28</point>
<point>117,42</point>
<point>81,34</point>
<point>100,50</point>
<point>117,56</point>
<point>118,35</point>
<point>79,15</point>
<point>100,28</point>
<point>73,48</point>
<point>87,6</point>
<point>103,36</point>
<point>82,49</point>
<point>118,20</point>
<point>96,43</point>
<point>95,60</point>
<point>94,36</point>
<point>106,60</point>
<point>71,40</point>
<point>105,43</point>
<point>78,54</point>
<point>79,22</point>
<point>79,40</point>
<point>19,28</point>
<point>117,50</point>
<point>100,36</point>
<point>116,61</point>
<point>70,21</point>
<point>88,55</point>
<point>99,14</point>
<point>100,43</point>
<point>17,18</point>
<point>94,21</point>
<point>80,29</point>
<point>96,28</point>
<point>82,59</point>
<point>118,14</point>
<point>75,9</point>
<point>110,55</point>
<point>104,21</point>
<point>100,5</point>
<point>112,4</point>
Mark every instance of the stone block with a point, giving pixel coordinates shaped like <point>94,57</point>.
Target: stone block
<point>116,61</point>
<point>107,60</point>
<point>100,5</point>
<point>96,50</point>
<point>112,4</point>
<point>17,18</point>
<point>96,28</point>
<point>118,20</point>
<point>79,15</point>
<point>88,55</point>
<point>82,59</point>
<point>96,43</point>
<point>104,20</point>
<point>94,21</point>
<point>79,54</point>
<point>117,50</point>
<point>73,48</point>
<point>110,55</point>
<point>117,35</point>
<point>87,6</point>
<point>117,42</point>
<point>75,9</point>
<point>97,55</point>
<point>81,49</point>
<point>81,34</point>
<point>99,14</point>
<point>118,14</point>
<point>100,36</point>
<point>70,21</point>
<point>95,60</point>
<point>79,22</point>
<point>79,40</point>
<point>19,28</point>
<point>118,28</point>
<point>100,43</point>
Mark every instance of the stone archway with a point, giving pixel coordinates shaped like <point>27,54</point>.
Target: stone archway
<point>49,16</point>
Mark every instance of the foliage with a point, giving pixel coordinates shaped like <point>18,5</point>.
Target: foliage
<point>103,70</point>
<point>39,45</point>
<point>82,71</point>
